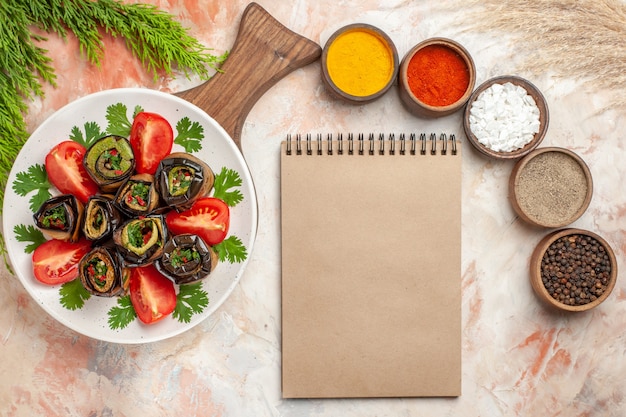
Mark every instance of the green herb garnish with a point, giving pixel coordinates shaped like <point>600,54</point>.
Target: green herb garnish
<point>97,270</point>
<point>97,222</point>
<point>92,134</point>
<point>122,314</point>
<point>135,234</point>
<point>113,160</point>
<point>139,193</point>
<point>117,117</point>
<point>34,179</point>
<point>180,257</point>
<point>189,135</point>
<point>191,299</point>
<point>73,295</point>
<point>29,234</point>
<point>55,218</point>
<point>231,249</point>
<point>179,180</point>
<point>225,181</point>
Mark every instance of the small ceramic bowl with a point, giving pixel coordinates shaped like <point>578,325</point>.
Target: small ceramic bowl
<point>359,63</point>
<point>573,289</point>
<point>459,63</point>
<point>550,187</point>
<point>542,106</point>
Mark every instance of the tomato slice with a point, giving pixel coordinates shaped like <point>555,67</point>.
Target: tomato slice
<point>152,138</point>
<point>56,262</point>
<point>208,218</point>
<point>153,295</point>
<point>64,165</point>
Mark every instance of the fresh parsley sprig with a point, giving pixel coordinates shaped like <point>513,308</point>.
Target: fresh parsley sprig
<point>73,295</point>
<point>29,234</point>
<point>122,314</point>
<point>231,249</point>
<point>191,299</point>
<point>92,134</point>
<point>118,122</point>
<point>189,135</point>
<point>35,178</point>
<point>224,186</point>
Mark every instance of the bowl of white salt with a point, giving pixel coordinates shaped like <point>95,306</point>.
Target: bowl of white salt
<point>506,117</point>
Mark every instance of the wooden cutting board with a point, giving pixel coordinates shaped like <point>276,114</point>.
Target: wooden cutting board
<point>263,53</point>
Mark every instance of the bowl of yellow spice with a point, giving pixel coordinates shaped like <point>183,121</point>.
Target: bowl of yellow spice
<point>359,63</point>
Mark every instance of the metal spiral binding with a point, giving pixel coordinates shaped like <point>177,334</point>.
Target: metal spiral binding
<point>383,144</point>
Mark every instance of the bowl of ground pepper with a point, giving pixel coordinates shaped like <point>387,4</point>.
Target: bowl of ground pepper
<point>550,187</point>
<point>573,269</point>
<point>359,63</point>
<point>436,77</point>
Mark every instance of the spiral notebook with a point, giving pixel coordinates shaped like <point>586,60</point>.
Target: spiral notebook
<point>371,266</point>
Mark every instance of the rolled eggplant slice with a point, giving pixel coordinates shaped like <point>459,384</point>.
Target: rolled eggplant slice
<point>101,218</point>
<point>182,179</point>
<point>110,161</point>
<point>140,241</point>
<point>101,272</point>
<point>186,259</point>
<point>60,217</point>
<point>138,196</point>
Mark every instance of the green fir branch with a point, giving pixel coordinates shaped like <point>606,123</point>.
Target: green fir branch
<point>154,37</point>
<point>22,65</point>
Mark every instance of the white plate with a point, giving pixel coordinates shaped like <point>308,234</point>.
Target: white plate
<point>218,150</point>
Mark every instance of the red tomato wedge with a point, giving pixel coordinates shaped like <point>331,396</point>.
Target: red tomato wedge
<point>56,262</point>
<point>208,218</point>
<point>153,296</point>
<point>152,138</point>
<point>64,165</point>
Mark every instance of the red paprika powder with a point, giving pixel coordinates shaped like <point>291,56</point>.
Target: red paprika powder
<point>437,75</point>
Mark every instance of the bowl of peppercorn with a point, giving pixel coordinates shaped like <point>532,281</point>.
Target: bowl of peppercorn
<point>573,269</point>
<point>436,77</point>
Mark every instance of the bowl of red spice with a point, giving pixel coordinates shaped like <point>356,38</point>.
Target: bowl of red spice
<point>436,77</point>
<point>506,117</point>
<point>573,269</point>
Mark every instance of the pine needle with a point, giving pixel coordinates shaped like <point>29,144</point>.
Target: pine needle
<point>23,64</point>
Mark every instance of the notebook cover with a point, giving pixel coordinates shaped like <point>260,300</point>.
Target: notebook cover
<point>371,274</point>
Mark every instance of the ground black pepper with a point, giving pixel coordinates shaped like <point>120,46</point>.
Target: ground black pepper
<point>551,188</point>
<point>575,269</point>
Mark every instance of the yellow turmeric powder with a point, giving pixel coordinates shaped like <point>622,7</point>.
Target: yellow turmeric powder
<point>360,62</point>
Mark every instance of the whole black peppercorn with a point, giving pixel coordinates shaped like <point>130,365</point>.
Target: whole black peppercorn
<point>575,269</point>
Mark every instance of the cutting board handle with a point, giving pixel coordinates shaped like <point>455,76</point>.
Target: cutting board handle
<point>263,53</point>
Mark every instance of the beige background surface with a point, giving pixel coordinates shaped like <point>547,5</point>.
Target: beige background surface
<point>519,358</point>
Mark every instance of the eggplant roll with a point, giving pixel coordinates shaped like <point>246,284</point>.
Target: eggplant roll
<point>101,218</point>
<point>138,196</point>
<point>110,161</point>
<point>187,258</point>
<point>140,240</point>
<point>60,217</point>
<point>182,179</point>
<point>101,272</point>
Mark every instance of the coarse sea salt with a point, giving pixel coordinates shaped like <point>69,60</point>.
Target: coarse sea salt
<point>504,117</point>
